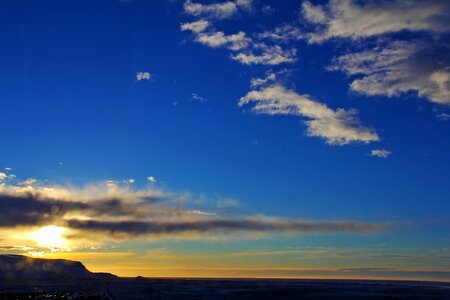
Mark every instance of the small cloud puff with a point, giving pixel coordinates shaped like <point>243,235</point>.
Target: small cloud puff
<point>383,153</point>
<point>198,98</point>
<point>143,76</point>
<point>151,179</point>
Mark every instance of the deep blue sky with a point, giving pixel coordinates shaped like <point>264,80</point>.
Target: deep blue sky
<point>73,111</point>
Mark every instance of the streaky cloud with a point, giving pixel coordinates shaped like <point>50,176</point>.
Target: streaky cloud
<point>134,228</point>
<point>122,213</point>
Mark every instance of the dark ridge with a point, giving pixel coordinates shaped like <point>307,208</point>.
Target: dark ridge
<point>19,267</point>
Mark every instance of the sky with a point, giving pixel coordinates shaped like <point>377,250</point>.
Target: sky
<point>231,138</point>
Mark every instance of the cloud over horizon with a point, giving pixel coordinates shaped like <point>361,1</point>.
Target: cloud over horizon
<point>114,212</point>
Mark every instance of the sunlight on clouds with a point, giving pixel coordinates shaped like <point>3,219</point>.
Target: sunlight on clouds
<point>51,237</point>
<point>99,213</point>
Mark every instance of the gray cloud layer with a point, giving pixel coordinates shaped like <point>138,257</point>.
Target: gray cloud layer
<point>226,225</point>
<point>127,214</point>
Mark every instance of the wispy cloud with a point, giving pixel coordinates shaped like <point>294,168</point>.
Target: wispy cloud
<point>221,10</point>
<point>29,181</point>
<point>391,66</point>
<point>263,54</point>
<point>197,97</point>
<point>383,153</point>
<point>196,26</point>
<point>246,50</point>
<point>443,116</point>
<point>16,248</point>
<point>337,127</point>
<point>283,33</point>
<point>353,19</point>
<point>400,67</point>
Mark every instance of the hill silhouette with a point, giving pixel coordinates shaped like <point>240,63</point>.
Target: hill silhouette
<point>19,267</point>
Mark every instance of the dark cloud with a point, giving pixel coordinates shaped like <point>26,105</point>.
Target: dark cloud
<point>29,209</point>
<point>15,248</point>
<point>126,215</point>
<point>134,228</point>
<point>35,209</point>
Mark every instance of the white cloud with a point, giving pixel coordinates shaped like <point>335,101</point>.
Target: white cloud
<point>197,97</point>
<point>398,68</point>
<point>28,182</point>
<point>283,33</point>
<point>216,39</point>
<point>270,77</point>
<point>248,51</point>
<point>221,10</point>
<point>337,127</point>
<point>350,19</point>
<point>151,179</point>
<point>143,76</point>
<point>196,26</point>
<point>129,181</point>
<point>443,116</point>
<point>263,54</point>
<point>380,153</point>
<point>314,13</point>
<point>244,4</point>
<point>6,176</point>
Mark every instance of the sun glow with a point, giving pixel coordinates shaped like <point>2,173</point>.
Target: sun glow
<point>51,237</point>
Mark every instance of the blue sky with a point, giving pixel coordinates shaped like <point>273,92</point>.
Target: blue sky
<point>349,120</point>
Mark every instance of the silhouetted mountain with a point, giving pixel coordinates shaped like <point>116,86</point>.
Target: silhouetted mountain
<point>19,267</point>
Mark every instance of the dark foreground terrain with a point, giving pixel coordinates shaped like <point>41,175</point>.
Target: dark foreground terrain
<point>222,289</point>
<point>23,277</point>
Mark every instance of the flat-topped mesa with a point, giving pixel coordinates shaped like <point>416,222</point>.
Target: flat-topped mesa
<point>19,267</point>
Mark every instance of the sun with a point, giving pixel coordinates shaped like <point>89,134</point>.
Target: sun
<point>51,237</point>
